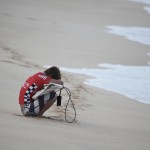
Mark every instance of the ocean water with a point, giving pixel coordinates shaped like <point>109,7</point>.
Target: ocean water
<point>131,81</point>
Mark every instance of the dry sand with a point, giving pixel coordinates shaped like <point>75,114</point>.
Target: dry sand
<point>71,34</point>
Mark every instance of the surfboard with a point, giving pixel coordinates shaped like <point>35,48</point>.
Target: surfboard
<point>47,89</point>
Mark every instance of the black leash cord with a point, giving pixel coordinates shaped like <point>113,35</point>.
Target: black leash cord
<point>69,100</point>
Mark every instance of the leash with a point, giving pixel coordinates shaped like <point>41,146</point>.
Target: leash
<point>69,100</point>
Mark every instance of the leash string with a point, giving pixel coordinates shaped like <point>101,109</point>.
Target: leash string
<point>69,100</point>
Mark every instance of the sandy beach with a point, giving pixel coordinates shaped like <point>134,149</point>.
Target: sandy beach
<point>71,34</point>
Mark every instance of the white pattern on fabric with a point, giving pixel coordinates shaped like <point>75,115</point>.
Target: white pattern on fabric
<point>30,90</point>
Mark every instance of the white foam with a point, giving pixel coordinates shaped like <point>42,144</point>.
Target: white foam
<point>131,81</point>
<point>137,34</point>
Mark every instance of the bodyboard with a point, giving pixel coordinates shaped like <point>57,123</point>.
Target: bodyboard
<point>47,89</point>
